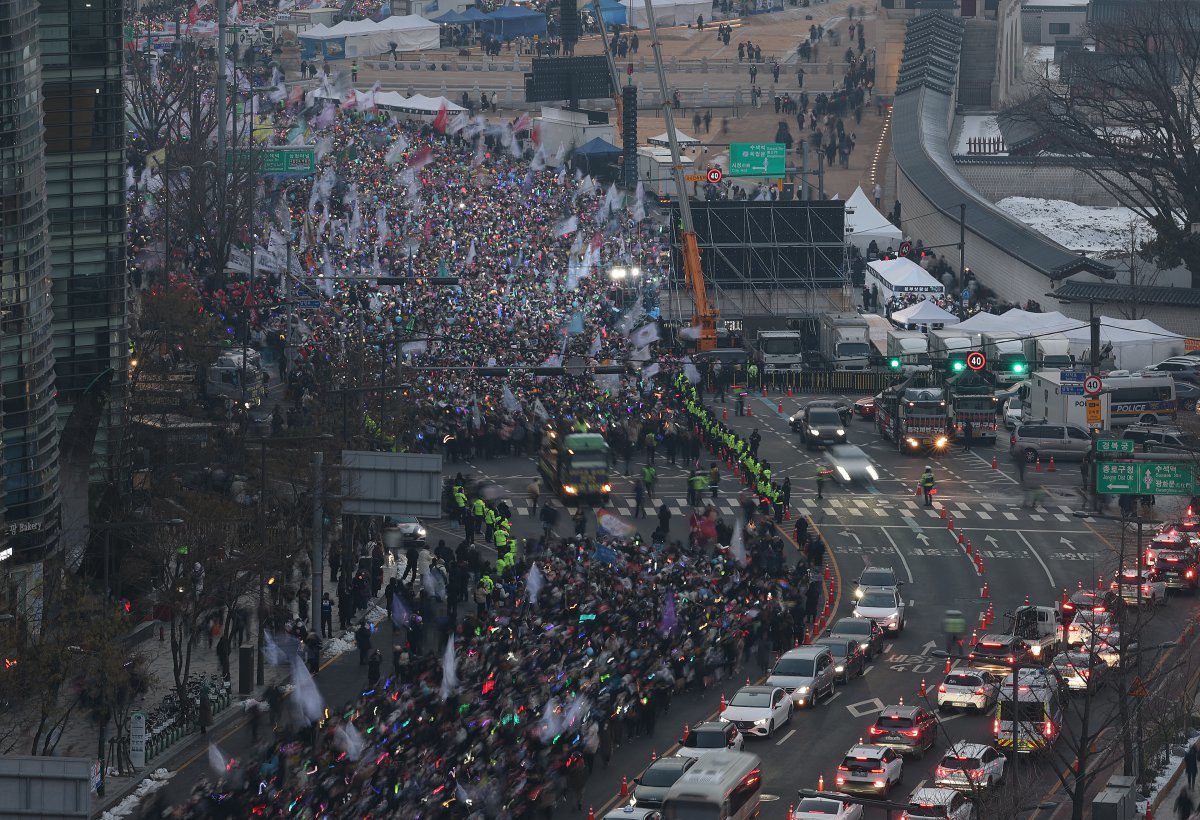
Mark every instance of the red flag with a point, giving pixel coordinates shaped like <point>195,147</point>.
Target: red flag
<point>537,135</point>
<point>421,158</point>
<point>193,15</point>
<point>296,95</point>
<point>522,124</point>
<point>442,118</point>
<point>427,232</point>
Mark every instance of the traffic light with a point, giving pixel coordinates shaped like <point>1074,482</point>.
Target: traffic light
<point>1018,367</point>
<point>958,365</point>
<point>894,364</point>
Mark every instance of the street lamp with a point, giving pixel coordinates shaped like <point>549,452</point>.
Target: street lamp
<point>107,528</point>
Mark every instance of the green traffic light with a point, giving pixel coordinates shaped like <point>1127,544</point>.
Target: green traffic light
<point>958,366</point>
<point>1018,367</point>
<point>894,363</point>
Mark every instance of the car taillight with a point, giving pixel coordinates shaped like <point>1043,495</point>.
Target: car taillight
<point>996,727</point>
<point>979,691</point>
<point>970,656</point>
<point>1145,587</point>
<point>842,769</point>
<point>1112,585</point>
<point>875,731</point>
<point>911,732</point>
<point>840,780</point>
<point>942,771</point>
<point>1083,673</point>
<point>1048,729</point>
<point>1190,574</point>
<point>941,687</point>
<point>1011,659</point>
<point>877,770</point>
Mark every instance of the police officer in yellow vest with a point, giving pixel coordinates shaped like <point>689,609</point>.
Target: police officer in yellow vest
<point>489,521</point>
<point>502,540</point>
<point>460,506</point>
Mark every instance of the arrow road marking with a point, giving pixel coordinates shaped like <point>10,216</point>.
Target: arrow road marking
<point>991,539</point>
<point>848,534</point>
<point>923,538</point>
<point>1067,541</point>
<point>929,647</point>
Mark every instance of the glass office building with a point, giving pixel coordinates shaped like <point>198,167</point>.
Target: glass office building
<point>27,391</point>
<point>84,109</point>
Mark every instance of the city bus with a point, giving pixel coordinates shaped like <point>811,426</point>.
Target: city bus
<point>721,786</point>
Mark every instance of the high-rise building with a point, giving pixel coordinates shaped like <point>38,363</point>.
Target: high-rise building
<point>83,98</point>
<point>27,392</point>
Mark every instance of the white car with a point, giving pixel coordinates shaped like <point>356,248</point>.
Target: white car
<point>939,804</point>
<point>1033,677</point>
<point>633,813</point>
<point>1154,591</point>
<point>712,736</point>
<point>1088,627</point>
<point>883,605</point>
<point>968,689</point>
<point>1081,671</point>
<point>869,769</point>
<point>1110,649</point>
<point>1013,412</point>
<point>970,766</point>
<point>807,673</point>
<point>826,808</point>
<point>759,710</point>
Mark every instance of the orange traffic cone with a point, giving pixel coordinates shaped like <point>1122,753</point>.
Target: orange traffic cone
<point>921,691</point>
<point>624,786</point>
<point>791,806</point>
<point>995,463</point>
<point>942,513</point>
<point>828,573</point>
<point>687,730</point>
<point>722,701</point>
<point>724,414</point>
<point>1063,601</point>
<point>983,620</point>
<point>764,392</point>
<point>1026,600</point>
<point>749,410</point>
<point>947,666</point>
<point>821,783</point>
<point>653,755</point>
<point>789,392</point>
<point>1037,466</point>
<point>781,407</point>
<point>979,563</point>
<point>591,813</point>
<point>787,512</point>
<point>1050,466</point>
<point>806,638</point>
<point>983,593</point>
<point>974,636</point>
<point>962,538</point>
<point>950,524</point>
<point>968,547</point>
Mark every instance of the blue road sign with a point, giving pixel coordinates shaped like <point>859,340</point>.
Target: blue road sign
<point>1065,376</point>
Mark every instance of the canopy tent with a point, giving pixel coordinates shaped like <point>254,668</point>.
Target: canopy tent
<point>449,18</point>
<point>896,276</point>
<point>612,11</point>
<point>473,15</point>
<point>508,22</point>
<point>598,148</point>
<point>390,99</point>
<point>596,157</point>
<point>680,137</point>
<point>367,38</point>
<point>865,224</point>
<point>1136,343</point>
<point>666,12</point>
<point>427,107</point>
<point>925,313</point>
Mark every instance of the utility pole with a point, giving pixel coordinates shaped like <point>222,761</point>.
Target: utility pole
<point>222,90</point>
<point>318,540</point>
<point>1095,341</point>
<point>962,244</point>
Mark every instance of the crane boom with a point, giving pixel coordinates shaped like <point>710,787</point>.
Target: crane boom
<point>704,315</point>
<point>618,102</point>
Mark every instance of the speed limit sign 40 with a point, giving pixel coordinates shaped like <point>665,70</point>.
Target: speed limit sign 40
<point>714,175</point>
<point>1092,385</point>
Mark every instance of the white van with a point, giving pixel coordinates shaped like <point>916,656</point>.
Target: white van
<point>721,786</point>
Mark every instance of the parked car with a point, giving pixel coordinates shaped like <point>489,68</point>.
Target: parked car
<point>1186,395</point>
<point>1180,368</point>
<point>1033,440</point>
<point>1160,437</point>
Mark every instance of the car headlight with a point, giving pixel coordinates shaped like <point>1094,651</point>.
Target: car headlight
<point>803,690</point>
<point>841,432</point>
<point>569,489</point>
<point>633,800</point>
<point>842,472</point>
<point>839,669</point>
<point>723,719</point>
<point>858,593</point>
<point>912,442</point>
<point>813,432</point>
<point>607,488</point>
<point>760,722</point>
<point>1035,649</point>
<point>873,473</point>
<point>941,442</point>
<point>854,613</point>
<point>420,532</point>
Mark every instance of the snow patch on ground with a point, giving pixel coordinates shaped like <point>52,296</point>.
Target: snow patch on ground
<point>156,780</point>
<point>1160,782</point>
<point>1039,62</point>
<point>975,126</point>
<point>337,646</point>
<point>1096,230</point>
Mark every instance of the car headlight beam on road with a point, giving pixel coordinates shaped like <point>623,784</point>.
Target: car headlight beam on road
<point>873,473</point>
<point>842,472</point>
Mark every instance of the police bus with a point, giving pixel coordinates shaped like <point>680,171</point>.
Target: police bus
<point>721,786</point>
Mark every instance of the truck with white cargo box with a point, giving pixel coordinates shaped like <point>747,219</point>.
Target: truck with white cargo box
<point>950,343</point>
<point>845,341</point>
<point>1005,352</point>
<point>1048,353</point>
<point>1051,399</point>
<point>911,347</point>
<point>779,350</point>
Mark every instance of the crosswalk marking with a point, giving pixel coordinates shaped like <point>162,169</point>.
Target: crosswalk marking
<point>983,515</point>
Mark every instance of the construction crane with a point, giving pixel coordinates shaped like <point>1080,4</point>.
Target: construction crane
<point>704,315</point>
<point>618,101</point>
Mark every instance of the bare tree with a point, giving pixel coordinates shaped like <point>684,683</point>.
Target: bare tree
<point>1143,273</point>
<point>1129,111</point>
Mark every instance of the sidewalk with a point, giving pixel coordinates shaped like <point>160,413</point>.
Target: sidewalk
<point>1173,782</point>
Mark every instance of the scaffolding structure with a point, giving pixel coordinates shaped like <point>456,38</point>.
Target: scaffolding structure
<point>780,258</point>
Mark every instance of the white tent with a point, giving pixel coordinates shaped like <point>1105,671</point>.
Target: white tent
<point>902,275</point>
<point>680,137</point>
<point>1136,343</point>
<point>864,223</point>
<point>390,99</point>
<point>926,313</point>
<point>667,12</point>
<point>423,106</point>
<point>366,38</point>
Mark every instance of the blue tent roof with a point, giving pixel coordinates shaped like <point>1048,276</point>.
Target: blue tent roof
<point>514,13</point>
<point>473,15</point>
<point>449,17</point>
<point>598,147</point>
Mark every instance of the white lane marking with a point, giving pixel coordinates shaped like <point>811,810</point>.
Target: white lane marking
<point>868,669</point>
<point>913,527</point>
<point>1033,552</point>
<point>834,697</point>
<point>786,737</point>
<point>983,515</point>
<point>955,716</point>
<point>907,569</point>
<point>887,649</point>
<point>1010,516</point>
<point>988,507</point>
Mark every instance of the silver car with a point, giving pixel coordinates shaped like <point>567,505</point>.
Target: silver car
<point>806,673</point>
<point>1033,440</point>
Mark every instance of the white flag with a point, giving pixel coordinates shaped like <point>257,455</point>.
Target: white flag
<point>449,670</point>
<point>644,335</point>
<point>534,582</point>
<point>217,761</point>
<point>306,698</point>
<point>737,544</point>
<point>567,227</point>
<point>510,401</point>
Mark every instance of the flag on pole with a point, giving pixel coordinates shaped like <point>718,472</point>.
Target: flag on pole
<point>534,581</point>
<point>442,119</point>
<point>449,669</point>
<point>644,335</point>
<point>737,544</point>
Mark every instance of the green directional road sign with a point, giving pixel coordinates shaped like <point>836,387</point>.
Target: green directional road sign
<point>757,159</point>
<point>300,160</point>
<point>1145,478</point>
<point>1114,445</point>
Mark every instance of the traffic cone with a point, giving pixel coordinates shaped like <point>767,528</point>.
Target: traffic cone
<point>653,755</point>
<point>1037,466</point>
<point>1026,600</point>
<point>974,636</point>
<point>995,463</point>
<point>983,593</point>
<point>750,413</point>
<point>1050,466</point>
<point>722,701</point>
<point>921,691</point>
<point>950,524</point>
<point>781,407</point>
<point>591,813</point>
<point>804,637</point>
<point>1063,601</point>
<point>624,786</point>
<point>821,783</point>
<point>948,667</point>
<point>724,414</point>
<point>942,513</point>
<point>962,538</point>
<point>970,549</point>
<point>979,563</point>
<point>791,806</point>
<point>983,620</point>
<point>687,730</point>
<point>1080,584</point>
<point>764,392</point>
<point>828,573</point>
<point>789,392</point>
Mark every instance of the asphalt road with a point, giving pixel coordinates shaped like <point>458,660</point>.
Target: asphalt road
<point>1026,552</point>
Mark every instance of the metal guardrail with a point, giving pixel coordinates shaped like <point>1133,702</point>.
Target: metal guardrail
<point>865,382</point>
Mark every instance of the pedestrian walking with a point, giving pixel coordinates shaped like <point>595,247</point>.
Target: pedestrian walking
<point>204,716</point>
<point>968,430</point>
<point>639,498</point>
<point>580,519</point>
<point>812,602</point>
<point>927,487</point>
<point>664,518</point>
<point>801,531</point>
<point>1189,765</point>
<point>649,476</point>
<point>223,652</point>
<point>362,639</point>
<point>651,442</point>
<point>785,493</point>
<point>1184,805</point>
<point>535,493</point>
<point>714,479</point>
<point>373,665</point>
<point>327,615</point>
